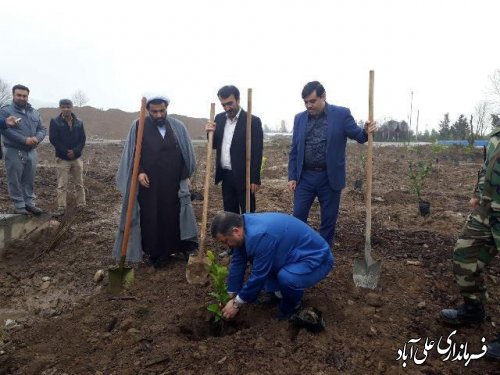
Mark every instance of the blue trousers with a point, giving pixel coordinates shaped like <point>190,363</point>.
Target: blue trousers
<point>314,184</point>
<point>20,167</point>
<point>292,285</point>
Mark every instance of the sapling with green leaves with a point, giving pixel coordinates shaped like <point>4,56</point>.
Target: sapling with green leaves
<point>263,165</point>
<point>218,273</point>
<point>418,172</point>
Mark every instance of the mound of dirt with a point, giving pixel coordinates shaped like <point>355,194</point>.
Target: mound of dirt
<point>115,123</point>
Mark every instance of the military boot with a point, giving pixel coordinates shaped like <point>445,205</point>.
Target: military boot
<point>469,312</point>
<point>493,351</point>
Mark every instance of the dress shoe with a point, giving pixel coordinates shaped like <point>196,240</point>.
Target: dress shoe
<point>34,210</point>
<point>267,299</point>
<point>281,315</point>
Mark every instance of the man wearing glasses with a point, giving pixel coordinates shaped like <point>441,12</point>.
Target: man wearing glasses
<point>67,135</point>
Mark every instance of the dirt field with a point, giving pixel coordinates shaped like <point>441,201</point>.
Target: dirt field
<point>65,323</point>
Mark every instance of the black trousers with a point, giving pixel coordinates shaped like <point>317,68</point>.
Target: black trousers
<point>234,197</point>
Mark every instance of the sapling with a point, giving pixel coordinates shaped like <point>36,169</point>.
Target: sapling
<point>418,172</point>
<point>218,273</point>
<point>360,167</point>
<point>263,165</point>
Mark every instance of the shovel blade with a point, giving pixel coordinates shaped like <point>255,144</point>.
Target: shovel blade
<point>120,278</point>
<point>197,270</point>
<point>365,276</point>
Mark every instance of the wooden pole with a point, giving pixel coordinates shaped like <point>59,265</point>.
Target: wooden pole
<point>369,162</point>
<point>133,182</point>
<point>249,149</point>
<point>206,188</point>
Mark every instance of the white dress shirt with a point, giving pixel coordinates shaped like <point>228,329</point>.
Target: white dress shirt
<point>225,158</point>
<point>162,130</point>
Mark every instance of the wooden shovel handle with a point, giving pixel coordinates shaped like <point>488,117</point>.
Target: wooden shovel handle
<point>249,150</point>
<point>134,181</point>
<point>369,161</point>
<point>203,231</point>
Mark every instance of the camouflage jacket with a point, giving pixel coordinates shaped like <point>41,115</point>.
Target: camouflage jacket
<point>488,182</point>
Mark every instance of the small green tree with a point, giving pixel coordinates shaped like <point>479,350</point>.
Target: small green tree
<point>263,165</point>
<point>418,172</point>
<point>218,273</point>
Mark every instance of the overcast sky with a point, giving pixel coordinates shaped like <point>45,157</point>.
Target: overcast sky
<point>444,51</point>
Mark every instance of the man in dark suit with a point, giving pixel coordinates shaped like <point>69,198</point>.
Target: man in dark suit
<point>316,166</point>
<point>230,142</point>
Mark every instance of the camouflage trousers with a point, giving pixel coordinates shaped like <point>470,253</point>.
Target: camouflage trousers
<point>476,247</point>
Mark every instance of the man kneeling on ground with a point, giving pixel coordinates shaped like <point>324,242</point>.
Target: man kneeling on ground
<point>287,256</point>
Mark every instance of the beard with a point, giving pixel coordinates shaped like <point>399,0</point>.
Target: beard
<point>162,121</point>
<point>21,103</point>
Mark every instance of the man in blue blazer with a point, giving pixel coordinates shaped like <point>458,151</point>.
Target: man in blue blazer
<point>316,166</point>
<point>287,257</point>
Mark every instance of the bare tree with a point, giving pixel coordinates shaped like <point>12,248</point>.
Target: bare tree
<point>482,114</point>
<point>5,94</point>
<point>80,98</point>
<point>495,84</point>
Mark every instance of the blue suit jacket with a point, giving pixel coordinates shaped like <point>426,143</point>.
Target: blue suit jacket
<point>274,241</point>
<point>341,125</point>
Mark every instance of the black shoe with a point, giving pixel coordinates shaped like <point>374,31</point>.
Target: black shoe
<point>34,210</point>
<point>493,351</point>
<point>281,316</point>
<point>158,262</point>
<point>467,313</point>
<point>267,299</point>
<point>21,211</point>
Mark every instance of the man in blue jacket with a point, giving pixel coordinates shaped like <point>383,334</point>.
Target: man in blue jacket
<point>20,150</point>
<point>316,166</point>
<point>287,257</point>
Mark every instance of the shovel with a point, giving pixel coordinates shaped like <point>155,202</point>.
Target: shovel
<point>367,271</point>
<point>248,152</point>
<point>122,276</point>
<point>197,267</point>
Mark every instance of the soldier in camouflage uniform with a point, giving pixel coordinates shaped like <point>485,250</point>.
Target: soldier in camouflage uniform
<point>478,245</point>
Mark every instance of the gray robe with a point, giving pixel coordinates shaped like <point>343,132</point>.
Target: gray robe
<point>188,224</point>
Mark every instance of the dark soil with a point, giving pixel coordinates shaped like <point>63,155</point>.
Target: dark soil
<point>68,324</point>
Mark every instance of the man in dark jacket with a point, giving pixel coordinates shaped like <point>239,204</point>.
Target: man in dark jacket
<point>67,135</point>
<point>20,150</point>
<point>230,141</point>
